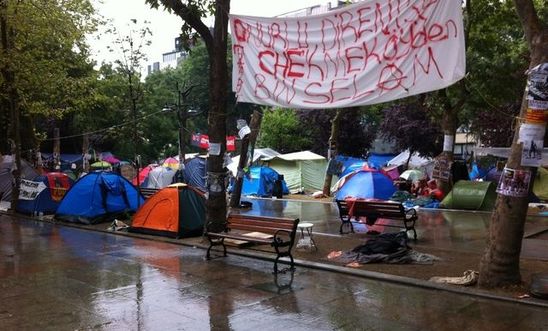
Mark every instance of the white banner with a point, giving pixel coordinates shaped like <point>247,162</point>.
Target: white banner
<point>29,190</point>
<point>366,53</point>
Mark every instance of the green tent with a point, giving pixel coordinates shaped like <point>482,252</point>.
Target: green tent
<point>540,187</point>
<point>471,195</point>
<point>302,171</point>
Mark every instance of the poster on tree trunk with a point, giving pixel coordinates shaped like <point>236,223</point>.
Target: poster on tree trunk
<point>365,53</point>
<point>514,183</point>
<point>532,138</point>
<point>442,168</point>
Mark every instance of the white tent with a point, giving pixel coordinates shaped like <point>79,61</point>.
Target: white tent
<point>160,177</point>
<point>259,154</point>
<point>425,164</point>
<point>302,171</point>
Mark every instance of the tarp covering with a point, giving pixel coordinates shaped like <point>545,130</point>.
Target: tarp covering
<point>47,201</point>
<point>258,155</point>
<point>302,171</point>
<point>175,211</point>
<point>6,177</point>
<point>365,53</point>
<point>260,182</point>
<point>378,161</point>
<point>416,162</point>
<point>471,195</point>
<point>365,184</point>
<point>97,197</point>
<point>159,177</point>
<point>195,173</point>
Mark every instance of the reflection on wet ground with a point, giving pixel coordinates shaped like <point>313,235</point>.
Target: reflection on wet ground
<point>63,278</point>
<point>446,229</point>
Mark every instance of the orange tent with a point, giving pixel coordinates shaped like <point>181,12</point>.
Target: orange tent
<point>175,211</point>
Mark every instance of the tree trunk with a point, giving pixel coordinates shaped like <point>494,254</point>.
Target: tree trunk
<point>6,42</point>
<point>248,140</point>
<point>216,203</point>
<point>500,263</point>
<point>332,150</point>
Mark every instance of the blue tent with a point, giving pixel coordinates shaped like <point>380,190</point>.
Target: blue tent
<point>66,159</point>
<point>97,197</point>
<point>365,184</point>
<point>260,181</point>
<point>195,173</point>
<point>47,201</point>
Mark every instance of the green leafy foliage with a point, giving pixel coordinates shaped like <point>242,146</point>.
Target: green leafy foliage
<point>410,127</point>
<point>49,60</point>
<point>282,131</point>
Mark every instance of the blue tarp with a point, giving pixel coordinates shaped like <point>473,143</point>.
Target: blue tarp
<point>98,196</point>
<point>260,181</point>
<point>195,173</point>
<point>365,184</point>
<point>477,172</point>
<point>378,161</point>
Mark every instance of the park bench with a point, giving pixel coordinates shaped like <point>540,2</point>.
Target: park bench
<point>276,232</point>
<point>372,210</point>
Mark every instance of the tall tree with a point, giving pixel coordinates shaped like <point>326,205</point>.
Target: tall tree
<point>410,127</point>
<point>192,12</point>
<point>282,131</point>
<point>44,66</point>
<point>500,263</point>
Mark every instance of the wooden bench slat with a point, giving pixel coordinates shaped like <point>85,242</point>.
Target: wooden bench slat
<point>257,228</point>
<point>376,209</point>
<point>240,237</point>
<point>260,218</point>
<point>277,225</point>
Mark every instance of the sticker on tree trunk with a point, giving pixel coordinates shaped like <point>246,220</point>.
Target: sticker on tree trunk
<point>514,183</point>
<point>532,137</point>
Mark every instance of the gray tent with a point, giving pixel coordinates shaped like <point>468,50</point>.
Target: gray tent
<point>7,163</point>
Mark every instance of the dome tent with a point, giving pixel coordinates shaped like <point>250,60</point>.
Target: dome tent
<point>98,197</point>
<point>365,184</point>
<point>55,186</point>
<point>175,211</point>
<point>260,182</point>
<point>471,195</point>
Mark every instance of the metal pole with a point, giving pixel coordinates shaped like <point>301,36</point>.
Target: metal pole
<point>182,127</point>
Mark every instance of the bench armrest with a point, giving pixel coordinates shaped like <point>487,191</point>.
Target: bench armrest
<point>410,213</point>
<point>279,240</point>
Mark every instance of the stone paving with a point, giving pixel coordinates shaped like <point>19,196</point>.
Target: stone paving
<point>62,278</point>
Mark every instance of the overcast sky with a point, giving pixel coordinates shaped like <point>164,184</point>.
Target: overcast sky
<point>165,27</point>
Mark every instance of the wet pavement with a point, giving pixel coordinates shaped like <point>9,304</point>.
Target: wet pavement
<point>455,230</point>
<point>62,278</point>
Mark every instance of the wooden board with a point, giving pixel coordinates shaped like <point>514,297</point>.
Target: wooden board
<point>258,235</point>
<point>236,243</point>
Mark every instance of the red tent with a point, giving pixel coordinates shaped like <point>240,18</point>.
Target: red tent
<point>143,174</point>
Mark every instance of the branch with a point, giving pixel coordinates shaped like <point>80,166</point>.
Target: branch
<point>184,12</point>
<point>529,20</point>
